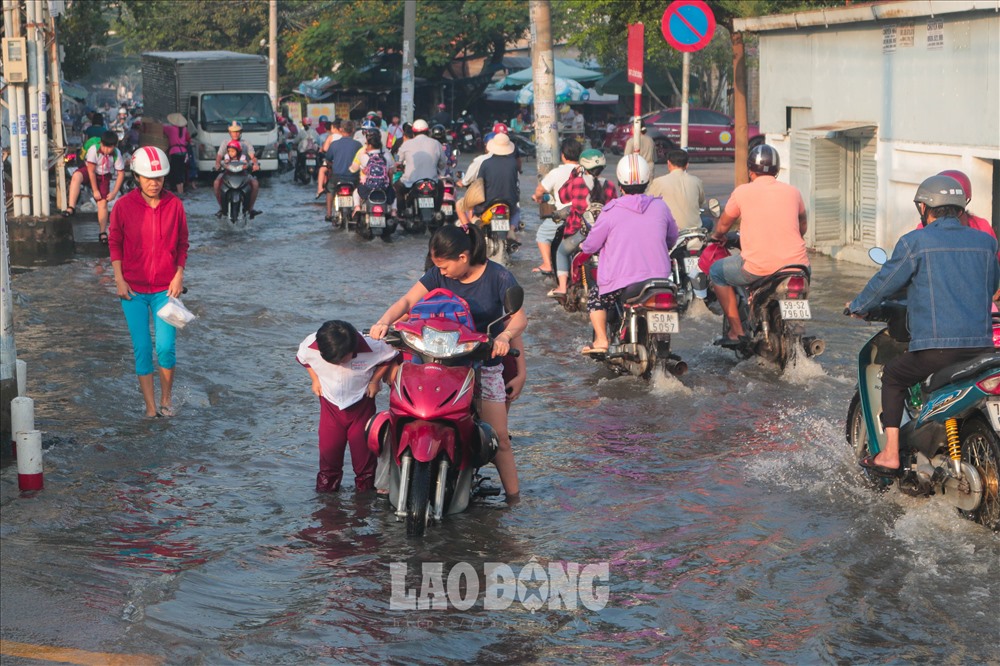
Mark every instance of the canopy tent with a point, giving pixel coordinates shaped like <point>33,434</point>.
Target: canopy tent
<point>74,90</point>
<point>496,95</point>
<point>567,90</point>
<point>563,69</point>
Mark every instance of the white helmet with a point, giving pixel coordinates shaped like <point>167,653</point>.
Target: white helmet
<point>151,162</point>
<point>123,111</point>
<point>420,125</point>
<point>632,170</point>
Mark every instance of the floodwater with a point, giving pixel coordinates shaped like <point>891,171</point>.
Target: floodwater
<point>724,507</point>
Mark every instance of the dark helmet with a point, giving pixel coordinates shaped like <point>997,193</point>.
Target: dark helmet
<point>940,191</point>
<point>763,160</point>
<point>438,132</point>
<point>372,134</point>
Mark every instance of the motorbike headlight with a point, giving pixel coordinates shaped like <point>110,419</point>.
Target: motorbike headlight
<point>439,344</point>
<point>270,151</point>
<point>206,152</point>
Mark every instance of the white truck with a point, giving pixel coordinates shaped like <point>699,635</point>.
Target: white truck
<point>212,89</point>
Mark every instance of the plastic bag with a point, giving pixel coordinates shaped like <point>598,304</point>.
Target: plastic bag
<point>175,314</point>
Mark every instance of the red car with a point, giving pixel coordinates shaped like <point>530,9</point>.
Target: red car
<point>710,133</point>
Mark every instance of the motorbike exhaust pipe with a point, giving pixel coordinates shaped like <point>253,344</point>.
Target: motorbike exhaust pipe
<point>404,484</point>
<point>676,367</point>
<point>813,346</point>
<point>439,491</point>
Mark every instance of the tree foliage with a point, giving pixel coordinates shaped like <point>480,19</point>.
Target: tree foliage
<point>83,31</point>
<point>168,25</point>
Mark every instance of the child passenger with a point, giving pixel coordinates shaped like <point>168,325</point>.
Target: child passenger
<point>234,153</point>
<point>346,369</point>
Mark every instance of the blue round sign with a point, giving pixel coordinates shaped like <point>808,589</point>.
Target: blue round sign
<point>688,25</point>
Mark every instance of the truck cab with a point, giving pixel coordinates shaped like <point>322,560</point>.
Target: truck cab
<point>211,112</point>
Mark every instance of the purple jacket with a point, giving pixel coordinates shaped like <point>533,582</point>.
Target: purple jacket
<point>634,234</point>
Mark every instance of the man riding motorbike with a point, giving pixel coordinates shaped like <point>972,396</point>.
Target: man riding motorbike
<point>338,158</point>
<point>236,134</point>
<point>772,219</point>
<point>634,234</point>
<point>423,158</point>
<point>949,272</point>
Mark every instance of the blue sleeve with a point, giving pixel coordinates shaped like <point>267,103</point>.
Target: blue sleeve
<point>431,279</point>
<point>893,277</point>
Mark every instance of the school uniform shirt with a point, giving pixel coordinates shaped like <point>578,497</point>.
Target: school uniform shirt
<point>105,165</point>
<point>344,385</point>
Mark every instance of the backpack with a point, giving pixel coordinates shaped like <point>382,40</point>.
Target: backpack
<point>377,171</point>
<point>442,303</point>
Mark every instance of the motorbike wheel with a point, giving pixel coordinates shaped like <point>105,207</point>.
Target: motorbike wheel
<point>777,346</point>
<point>857,437</point>
<point>234,210</point>
<point>658,354</point>
<point>981,449</point>
<point>574,294</point>
<point>301,176</point>
<point>416,502</point>
<point>496,249</point>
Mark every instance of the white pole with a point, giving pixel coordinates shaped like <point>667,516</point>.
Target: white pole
<point>22,419</point>
<point>8,351</point>
<point>38,31</point>
<point>29,461</point>
<point>34,124</point>
<point>272,54</point>
<point>58,131</point>
<point>685,93</point>
<point>406,110</point>
<point>15,104</point>
<point>22,377</point>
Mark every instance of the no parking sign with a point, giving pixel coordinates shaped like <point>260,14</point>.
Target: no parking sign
<point>688,25</point>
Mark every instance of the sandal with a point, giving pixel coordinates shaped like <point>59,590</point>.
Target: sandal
<point>69,211</point>
<point>166,411</point>
<point>543,272</point>
<point>590,351</point>
<point>556,294</point>
<point>102,238</point>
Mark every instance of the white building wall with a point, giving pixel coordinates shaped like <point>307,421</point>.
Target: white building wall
<point>935,107</point>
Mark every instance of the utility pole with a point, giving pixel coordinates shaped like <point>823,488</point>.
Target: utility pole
<point>8,352</point>
<point>543,79</point>
<point>57,119</point>
<point>272,54</point>
<point>409,59</point>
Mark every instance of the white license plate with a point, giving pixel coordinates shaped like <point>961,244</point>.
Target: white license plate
<point>500,224</point>
<point>425,202</point>
<point>312,162</point>
<point>691,265</point>
<point>663,322</point>
<point>446,209</point>
<point>345,202</point>
<point>993,407</point>
<point>795,310</point>
<point>469,137</point>
<point>377,221</point>
<point>282,157</point>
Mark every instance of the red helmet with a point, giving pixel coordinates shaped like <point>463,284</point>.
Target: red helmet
<point>499,128</point>
<point>235,144</point>
<point>963,180</point>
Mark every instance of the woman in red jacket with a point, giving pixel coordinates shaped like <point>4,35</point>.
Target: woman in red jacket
<point>149,242</point>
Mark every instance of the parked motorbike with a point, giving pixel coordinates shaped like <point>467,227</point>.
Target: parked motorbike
<point>948,443</point>
<point>639,330</point>
<point>343,204</point>
<point>236,191</point>
<point>375,217</point>
<point>307,166</point>
<point>772,310</point>
<point>435,440</point>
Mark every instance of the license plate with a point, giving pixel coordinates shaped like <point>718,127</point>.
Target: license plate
<point>282,157</point>
<point>500,224</point>
<point>795,310</point>
<point>312,162</point>
<point>469,137</point>
<point>993,407</point>
<point>345,202</point>
<point>377,221</point>
<point>691,265</point>
<point>425,202</point>
<point>446,209</point>
<point>663,322</point>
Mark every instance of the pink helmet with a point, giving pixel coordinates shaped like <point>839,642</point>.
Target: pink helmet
<point>151,162</point>
<point>963,181</point>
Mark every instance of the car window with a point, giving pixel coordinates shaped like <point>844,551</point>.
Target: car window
<point>706,117</point>
<point>671,117</point>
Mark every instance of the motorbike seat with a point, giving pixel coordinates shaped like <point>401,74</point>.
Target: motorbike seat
<point>774,278</point>
<point>957,372</point>
<point>638,292</point>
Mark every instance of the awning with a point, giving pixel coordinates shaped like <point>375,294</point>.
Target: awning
<point>563,69</point>
<point>316,89</point>
<point>74,90</point>
<point>841,128</point>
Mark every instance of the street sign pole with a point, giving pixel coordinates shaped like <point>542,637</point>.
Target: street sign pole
<point>688,26</point>
<point>636,46</point>
<point>685,104</point>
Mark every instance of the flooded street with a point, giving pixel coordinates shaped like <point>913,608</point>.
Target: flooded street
<point>726,504</point>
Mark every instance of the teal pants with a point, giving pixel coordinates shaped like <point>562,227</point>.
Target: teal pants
<point>137,313</point>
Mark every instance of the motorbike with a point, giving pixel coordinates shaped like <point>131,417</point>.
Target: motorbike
<point>948,442</point>
<point>686,252</point>
<point>343,204</point>
<point>421,205</point>
<point>639,330</point>
<point>583,267</point>
<point>284,158</point>
<point>307,166</point>
<point>236,191</point>
<point>772,310</point>
<point>446,215</point>
<point>433,437</point>
<point>495,221</point>
<point>375,217</point>
<point>468,136</point>
<point>525,146</point>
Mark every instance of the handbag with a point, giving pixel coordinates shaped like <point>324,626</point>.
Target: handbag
<point>711,254</point>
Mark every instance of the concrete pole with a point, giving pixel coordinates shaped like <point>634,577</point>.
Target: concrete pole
<point>8,351</point>
<point>34,128</point>
<point>686,94</point>
<point>544,83</point>
<point>741,130</point>
<point>272,54</point>
<point>58,131</point>
<point>37,32</point>
<point>409,60</point>
<point>18,122</point>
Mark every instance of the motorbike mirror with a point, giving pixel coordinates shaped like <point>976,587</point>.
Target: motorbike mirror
<point>878,255</point>
<point>714,208</point>
<point>513,299</point>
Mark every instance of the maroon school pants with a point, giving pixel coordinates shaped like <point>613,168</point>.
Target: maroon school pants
<point>338,428</point>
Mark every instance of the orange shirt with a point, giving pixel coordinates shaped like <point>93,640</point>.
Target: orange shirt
<point>769,225</point>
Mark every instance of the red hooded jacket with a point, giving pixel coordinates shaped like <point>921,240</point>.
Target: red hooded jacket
<point>150,242</point>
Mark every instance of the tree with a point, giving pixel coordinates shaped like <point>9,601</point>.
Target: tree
<point>83,30</point>
<point>166,25</point>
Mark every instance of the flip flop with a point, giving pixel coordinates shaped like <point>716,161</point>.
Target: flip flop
<point>69,212</point>
<point>166,411</point>
<point>590,351</point>
<point>868,462</point>
<point>102,238</point>
<point>559,295</point>
<point>543,273</point>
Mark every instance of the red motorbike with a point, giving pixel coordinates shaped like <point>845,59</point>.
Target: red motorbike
<point>435,440</point>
